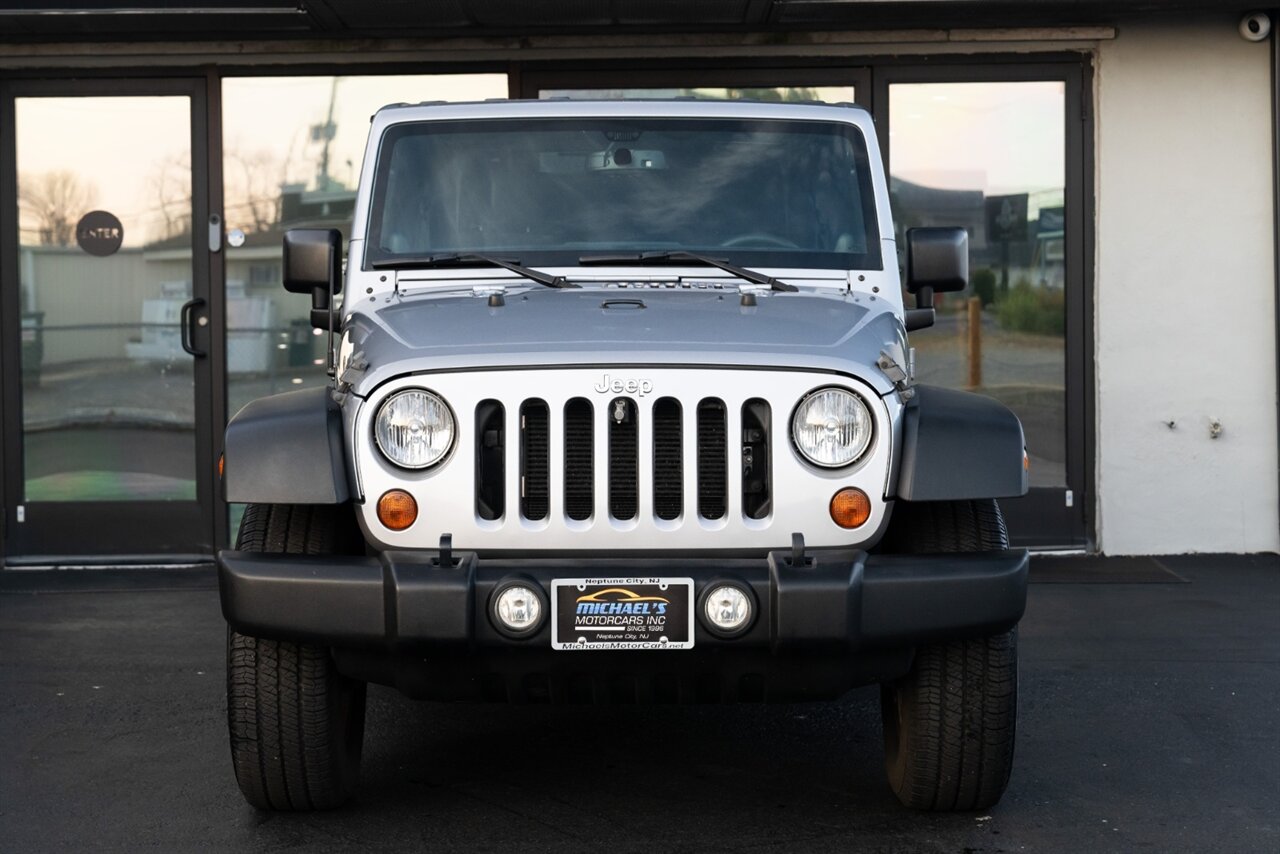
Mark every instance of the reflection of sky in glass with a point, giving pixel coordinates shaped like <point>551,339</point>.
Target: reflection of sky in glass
<point>268,122</point>
<point>828,94</point>
<point>996,137</point>
<point>130,156</point>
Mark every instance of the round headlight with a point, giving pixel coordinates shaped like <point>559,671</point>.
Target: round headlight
<point>831,427</point>
<point>414,429</point>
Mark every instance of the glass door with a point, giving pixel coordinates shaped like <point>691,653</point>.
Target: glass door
<point>999,151</point>
<point>107,382</point>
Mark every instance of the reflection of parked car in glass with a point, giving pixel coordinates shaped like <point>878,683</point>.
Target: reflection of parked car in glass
<point>32,347</point>
<point>656,347</point>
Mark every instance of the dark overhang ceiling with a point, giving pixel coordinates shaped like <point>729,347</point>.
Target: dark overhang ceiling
<point>196,20</point>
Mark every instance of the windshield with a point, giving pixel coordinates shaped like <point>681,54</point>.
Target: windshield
<point>791,194</point>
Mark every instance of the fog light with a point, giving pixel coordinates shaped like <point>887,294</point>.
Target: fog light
<point>517,609</point>
<point>727,609</point>
<point>397,509</point>
<point>850,507</point>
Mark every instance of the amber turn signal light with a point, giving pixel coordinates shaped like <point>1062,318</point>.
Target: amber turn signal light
<point>397,509</point>
<point>850,507</point>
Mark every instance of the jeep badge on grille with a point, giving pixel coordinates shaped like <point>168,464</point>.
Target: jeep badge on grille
<point>620,386</point>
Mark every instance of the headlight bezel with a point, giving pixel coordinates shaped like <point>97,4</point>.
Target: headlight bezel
<point>867,445</point>
<point>444,406</point>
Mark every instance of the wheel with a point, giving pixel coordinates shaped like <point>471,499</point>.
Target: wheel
<point>759,238</point>
<point>949,723</point>
<point>296,724</point>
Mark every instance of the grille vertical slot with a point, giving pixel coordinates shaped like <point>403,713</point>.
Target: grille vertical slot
<point>713,459</point>
<point>535,463</point>
<point>757,480</point>
<point>624,491</point>
<point>491,454</point>
<point>579,459</point>
<point>668,459</point>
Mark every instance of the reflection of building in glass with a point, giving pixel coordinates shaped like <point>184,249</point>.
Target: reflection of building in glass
<point>157,277</point>
<point>1032,254</point>
<point>268,333</point>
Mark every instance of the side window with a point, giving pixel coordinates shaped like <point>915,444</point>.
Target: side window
<point>991,157</point>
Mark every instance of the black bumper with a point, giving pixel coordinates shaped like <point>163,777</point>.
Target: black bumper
<point>840,619</point>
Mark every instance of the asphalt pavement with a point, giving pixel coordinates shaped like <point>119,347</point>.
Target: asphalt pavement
<point>1150,721</point>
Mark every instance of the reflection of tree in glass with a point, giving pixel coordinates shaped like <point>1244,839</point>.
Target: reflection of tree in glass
<point>776,94</point>
<point>55,201</point>
<point>170,181</point>
<point>785,94</point>
<point>252,181</point>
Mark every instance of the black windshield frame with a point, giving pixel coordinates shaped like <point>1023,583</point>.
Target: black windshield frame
<point>755,257</point>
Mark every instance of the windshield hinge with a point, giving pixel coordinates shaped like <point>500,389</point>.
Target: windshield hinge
<point>355,365</point>
<point>900,370</point>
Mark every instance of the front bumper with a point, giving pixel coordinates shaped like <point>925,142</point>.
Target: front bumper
<point>837,620</point>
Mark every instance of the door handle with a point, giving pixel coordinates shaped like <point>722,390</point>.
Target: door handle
<point>185,321</point>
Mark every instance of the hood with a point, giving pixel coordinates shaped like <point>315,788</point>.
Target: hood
<point>610,326</point>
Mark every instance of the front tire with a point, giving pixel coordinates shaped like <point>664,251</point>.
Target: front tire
<point>296,724</point>
<point>949,724</point>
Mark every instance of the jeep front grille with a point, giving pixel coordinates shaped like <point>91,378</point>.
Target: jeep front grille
<point>628,460</point>
<point>621,419</point>
<point>535,479</point>
<point>624,497</point>
<point>579,470</point>
<point>713,468</point>
<point>668,477</point>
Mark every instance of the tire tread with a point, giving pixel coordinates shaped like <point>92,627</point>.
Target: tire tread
<point>950,722</point>
<point>295,723</point>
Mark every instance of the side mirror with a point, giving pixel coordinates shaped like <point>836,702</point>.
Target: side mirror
<point>313,264</point>
<point>937,261</point>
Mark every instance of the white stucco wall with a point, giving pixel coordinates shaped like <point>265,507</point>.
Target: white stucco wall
<point>1185,316</point>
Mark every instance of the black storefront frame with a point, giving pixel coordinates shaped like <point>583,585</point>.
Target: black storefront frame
<point>1067,526</point>
<point>1275,209</point>
<point>870,76</point>
<point>204,84</point>
<point>42,538</point>
<point>1077,519</point>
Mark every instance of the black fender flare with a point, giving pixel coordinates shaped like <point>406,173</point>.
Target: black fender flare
<point>957,445</point>
<point>286,449</point>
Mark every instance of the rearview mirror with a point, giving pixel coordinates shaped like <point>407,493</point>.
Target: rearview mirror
<point>313,264</point>
<point>937,259</point>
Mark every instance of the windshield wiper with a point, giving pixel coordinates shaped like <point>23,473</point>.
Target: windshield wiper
<point>678,256</point>
<point>471,259</point>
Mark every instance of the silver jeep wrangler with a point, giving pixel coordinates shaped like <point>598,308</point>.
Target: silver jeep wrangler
<point>622,410</point>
